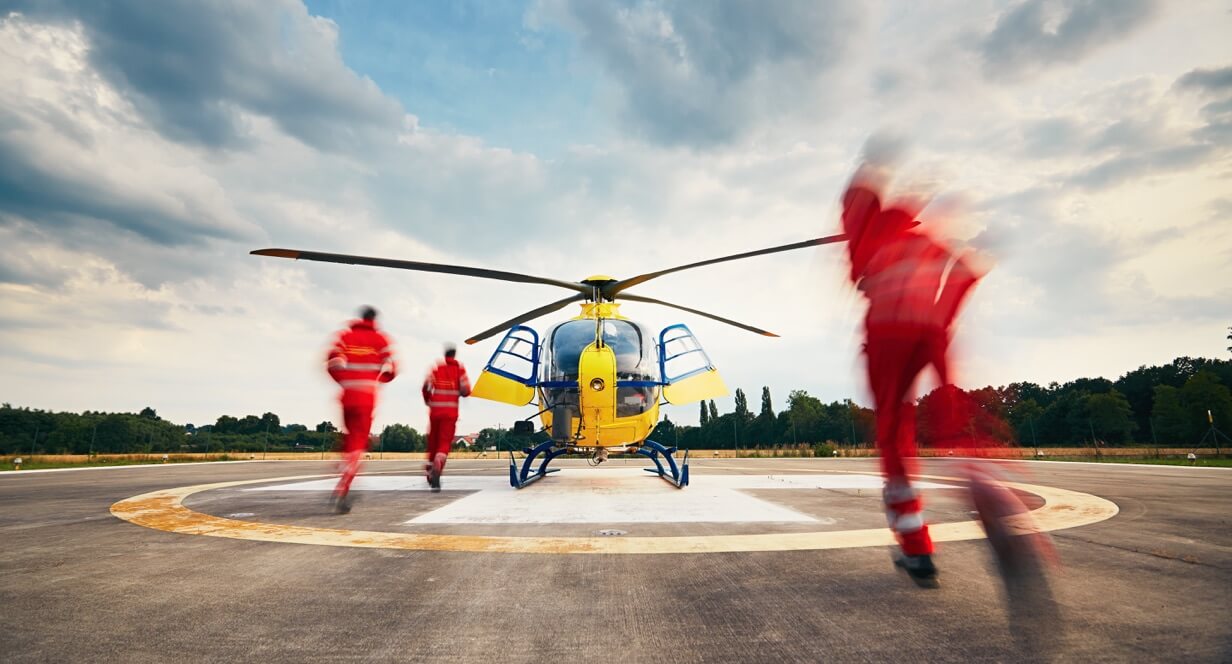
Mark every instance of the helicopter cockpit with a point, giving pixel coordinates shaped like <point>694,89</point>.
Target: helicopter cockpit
<point>636,360</point>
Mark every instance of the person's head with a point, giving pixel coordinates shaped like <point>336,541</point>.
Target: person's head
<point>367,313</point>
<point>450,350</point>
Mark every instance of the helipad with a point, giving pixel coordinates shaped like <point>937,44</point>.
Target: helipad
<point>596,496</point>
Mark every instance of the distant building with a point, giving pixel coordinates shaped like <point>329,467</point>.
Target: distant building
<point>467,441</point>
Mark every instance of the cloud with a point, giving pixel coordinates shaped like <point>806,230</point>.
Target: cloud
<point>75,158</point>
<point>1213,81</point>
<point>1037,34</point>
<point>1216,84</point>
<point>704,74</point>
<point>196,69</point>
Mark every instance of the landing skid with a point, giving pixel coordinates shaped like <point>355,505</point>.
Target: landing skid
<point>524,476</point>
<point>679,476</point>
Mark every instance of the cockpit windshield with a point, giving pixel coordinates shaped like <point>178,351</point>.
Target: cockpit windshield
<point>635,361</point>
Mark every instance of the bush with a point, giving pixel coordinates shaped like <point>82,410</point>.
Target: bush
<point>825,449</point>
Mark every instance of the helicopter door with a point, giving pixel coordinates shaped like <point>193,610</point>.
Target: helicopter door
<point>509,376</point>
<point>687,372</point>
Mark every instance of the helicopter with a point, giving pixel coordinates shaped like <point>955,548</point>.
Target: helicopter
<point>599,377</point>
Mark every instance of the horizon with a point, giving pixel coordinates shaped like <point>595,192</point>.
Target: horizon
<point>1082,148</point>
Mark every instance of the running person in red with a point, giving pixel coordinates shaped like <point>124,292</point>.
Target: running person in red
<point>444,386</point>
<point>914,285</point>
<point>359,359</point>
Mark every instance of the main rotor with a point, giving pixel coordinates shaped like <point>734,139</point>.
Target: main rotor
<point>596,288</point>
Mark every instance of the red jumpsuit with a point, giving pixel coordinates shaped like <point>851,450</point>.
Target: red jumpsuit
<point>914,287</point>
<point>359,359</point>
<point>443,387</point>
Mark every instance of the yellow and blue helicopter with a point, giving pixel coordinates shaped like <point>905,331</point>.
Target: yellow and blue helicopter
<point>599,377</point>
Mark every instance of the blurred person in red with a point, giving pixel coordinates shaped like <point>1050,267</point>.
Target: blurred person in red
<point>914,285</point>
<point>359,360</point>
<point>444,386</point>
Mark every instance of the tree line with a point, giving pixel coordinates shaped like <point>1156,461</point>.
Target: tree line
<point>32,431</point>
<point>1164,405</point>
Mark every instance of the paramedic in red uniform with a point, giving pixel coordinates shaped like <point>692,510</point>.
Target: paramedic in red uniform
<point>914,285</point>
<point>360,359</point>
<point>444,386</point>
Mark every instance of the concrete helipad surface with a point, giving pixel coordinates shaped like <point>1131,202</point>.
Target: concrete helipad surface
<point>758,560</point>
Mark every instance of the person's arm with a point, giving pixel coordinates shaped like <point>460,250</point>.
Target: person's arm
<point>389,366</point>
<point>427,389</point>
<point>464,383</point>
<point>958,284</point>
<point>335,360</point>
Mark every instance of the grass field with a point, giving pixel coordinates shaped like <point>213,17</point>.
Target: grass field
<point>1214,463</point>
<point>36,464</point>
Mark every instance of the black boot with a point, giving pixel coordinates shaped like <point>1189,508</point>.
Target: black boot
<point>920,568</point>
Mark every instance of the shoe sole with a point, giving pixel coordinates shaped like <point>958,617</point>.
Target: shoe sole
<point>930,582</point>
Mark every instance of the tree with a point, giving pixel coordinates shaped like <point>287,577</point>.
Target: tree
<point>764,430</point>
<point>664,432</point>
<point>228,424</point>
<point>148,413</point>
<point>1203,393</point>
<point>742,406</point>
<point>324,427</point>
<point>270,422</point>
<point>1110,415</point>
<point>704,417</point>
<point>714,411</point>
<point>1169,415</point>
<point>1230,339</point>
<point>402,438</point>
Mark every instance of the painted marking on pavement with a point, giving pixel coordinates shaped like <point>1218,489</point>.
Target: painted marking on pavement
<point>164,510</point>
<point>609,495</point>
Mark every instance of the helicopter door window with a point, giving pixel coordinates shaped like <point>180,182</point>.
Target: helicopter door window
<point>682,354</point>
<point>517,356</point>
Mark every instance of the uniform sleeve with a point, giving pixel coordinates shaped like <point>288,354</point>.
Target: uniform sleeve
<point>961,278</point>
<point>335,359</point>
<point>464,382</point>
<point>427,388</point>
<point>389,364</point>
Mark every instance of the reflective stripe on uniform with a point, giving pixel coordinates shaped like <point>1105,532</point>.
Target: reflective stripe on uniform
<point>359,366</point>
<point>899,492</point>
<point>908,523</point>
<point>358,384</point>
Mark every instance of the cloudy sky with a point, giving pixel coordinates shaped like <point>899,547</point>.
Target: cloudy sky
<point>147,147</point>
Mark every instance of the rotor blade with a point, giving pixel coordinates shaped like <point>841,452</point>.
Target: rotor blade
<point>421,267</point>
<point>651,300</point>
<point>615,288</point>
<point>530,315</point>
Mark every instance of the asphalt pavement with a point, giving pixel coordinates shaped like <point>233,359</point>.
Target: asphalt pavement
<point>1151,583</point>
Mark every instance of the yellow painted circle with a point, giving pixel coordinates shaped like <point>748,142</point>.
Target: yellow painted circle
<point>164,510</point>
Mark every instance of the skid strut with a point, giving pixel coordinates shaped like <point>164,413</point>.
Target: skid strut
<point>519,478</point>
<point>678,476</point>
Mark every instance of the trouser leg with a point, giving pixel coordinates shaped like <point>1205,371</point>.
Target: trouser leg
<point>893,364</point>
<point>441,431</point>
<point>358,421</point>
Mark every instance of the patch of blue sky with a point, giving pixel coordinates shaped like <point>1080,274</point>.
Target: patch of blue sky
<point>471,67</point>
